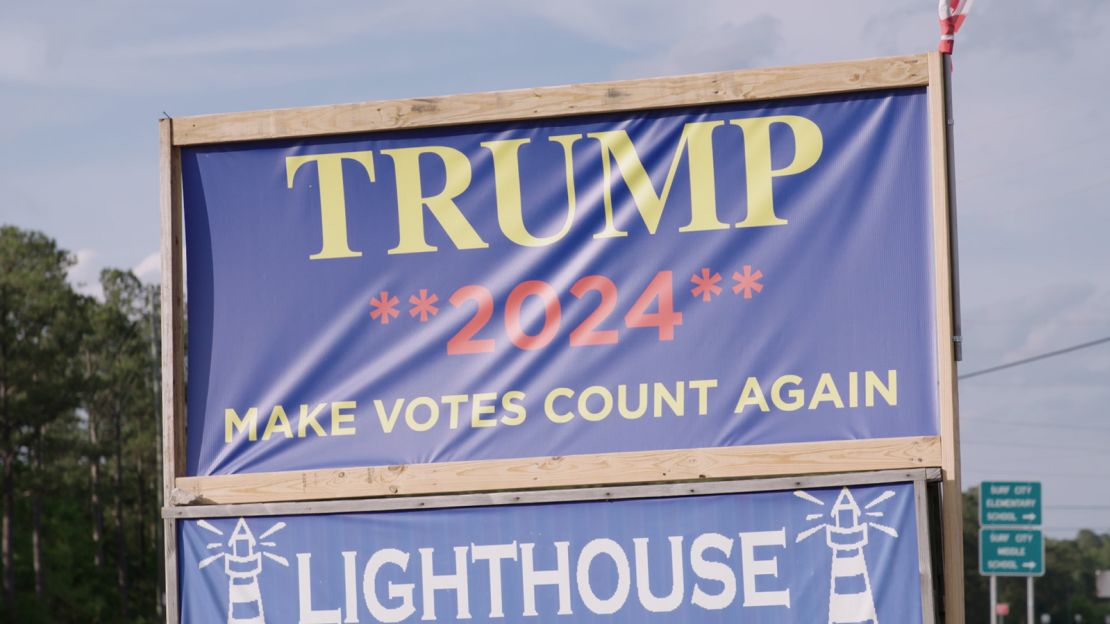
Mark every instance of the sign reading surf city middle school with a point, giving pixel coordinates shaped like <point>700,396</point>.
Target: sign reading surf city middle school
<point>1011,552</point>
<point>828,555</point>
<point>725,275</point>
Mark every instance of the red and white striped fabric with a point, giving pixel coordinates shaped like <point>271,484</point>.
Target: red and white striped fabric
<point>952,16</point>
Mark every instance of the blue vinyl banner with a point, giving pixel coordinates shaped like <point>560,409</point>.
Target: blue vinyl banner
<point>750,273</point>
<point>839,555</point>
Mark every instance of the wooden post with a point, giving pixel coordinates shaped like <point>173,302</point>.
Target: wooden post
<point>173,348</point>
<point>951,492</point>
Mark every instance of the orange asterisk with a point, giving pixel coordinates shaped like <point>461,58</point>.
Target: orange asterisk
<point>384,307</point>
<point>423,305</point>
<point>747,281</point>
<point>705,285</point>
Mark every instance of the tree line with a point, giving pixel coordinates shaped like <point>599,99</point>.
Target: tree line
<point>80,481</point>
<point>1066,593</point>
<point>80,531</point>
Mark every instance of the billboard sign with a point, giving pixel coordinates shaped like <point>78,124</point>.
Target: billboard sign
<point>745,273</point>
<point>1102,583</point>
<point>698,278</point>
<point>833,555</point>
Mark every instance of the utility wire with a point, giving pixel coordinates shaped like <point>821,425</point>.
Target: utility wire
<point>1079,507</point>
<point>1042,425</point>
<point>1005,473</point>
<point>1100,450</point>
<point>1035,358</point>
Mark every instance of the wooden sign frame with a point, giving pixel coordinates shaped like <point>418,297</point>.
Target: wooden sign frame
<point>211,496</point>
<point>920,478</point>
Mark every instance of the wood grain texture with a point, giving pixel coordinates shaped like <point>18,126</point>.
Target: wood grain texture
<point>172,304</point>
<point>173,602</point>
<point>951,492</point>
<point>924,553</point>
<point>714,88</point>
<point>173,347</point>
<point>568,471</point>
<point>623,492</point>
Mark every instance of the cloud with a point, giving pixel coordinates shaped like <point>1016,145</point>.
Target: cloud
<point>245,47</point>
<point>149,269</point>
<point>1035,28</point>
<point>83,88</point>
<point>84,275</point>
<point>721,46</point>
<point>23,54</point>
<point>1082,314</point>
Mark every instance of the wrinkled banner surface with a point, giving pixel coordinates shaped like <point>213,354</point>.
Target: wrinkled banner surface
<point>698,277</point>
<point>825,555</point>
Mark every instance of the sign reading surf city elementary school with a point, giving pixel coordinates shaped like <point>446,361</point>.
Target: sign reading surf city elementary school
<point>695,279</point>
<point>825,555</point>
<point>1010,503</point>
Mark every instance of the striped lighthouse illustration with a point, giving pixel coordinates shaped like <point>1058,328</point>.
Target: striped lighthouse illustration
<point>847,532</point>
<point>243,565</point>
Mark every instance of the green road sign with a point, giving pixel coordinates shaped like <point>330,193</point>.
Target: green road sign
<point>1011,552</point>
<point>1010,503</point>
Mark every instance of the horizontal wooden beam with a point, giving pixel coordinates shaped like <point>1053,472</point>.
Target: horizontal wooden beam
<point>622,492</point>
<point>627,95</point>
<point>556,472</point>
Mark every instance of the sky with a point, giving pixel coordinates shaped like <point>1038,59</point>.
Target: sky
<point>82,86</point>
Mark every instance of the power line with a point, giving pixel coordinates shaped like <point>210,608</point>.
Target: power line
<point>1003,421</point>
<point>1036,358</point>
<point>1058,527</point>
<point>986,173</point>
<point>1079,507</point>
<point>1004,473</point>
<point>1100,450</point>
<point>1009,471</point>
<point>1010,118</point>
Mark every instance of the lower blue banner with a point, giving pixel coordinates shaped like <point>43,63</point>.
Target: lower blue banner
<point>836,555</point>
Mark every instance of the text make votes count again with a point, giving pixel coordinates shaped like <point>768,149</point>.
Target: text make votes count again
<point>786,393</point>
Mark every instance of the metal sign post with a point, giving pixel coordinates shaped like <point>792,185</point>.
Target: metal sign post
<point>1029,599</point>
<point>994,600</point>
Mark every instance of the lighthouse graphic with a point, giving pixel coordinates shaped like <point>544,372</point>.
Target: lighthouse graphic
<point>242,555</point>
<point>847,531</point>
